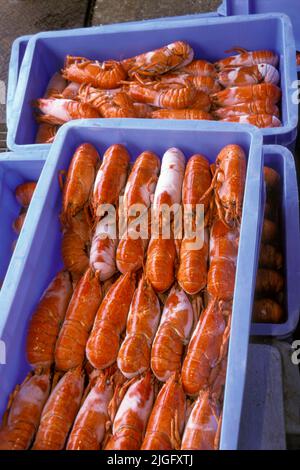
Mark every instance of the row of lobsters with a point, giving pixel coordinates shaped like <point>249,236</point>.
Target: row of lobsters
<point>128,344</point>
<point>269,304</point>
<point>167,83</point>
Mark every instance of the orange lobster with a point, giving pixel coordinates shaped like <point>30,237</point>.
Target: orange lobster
<point>258,120</point>
<point>271,177</point>
<point>108,74</point>
<point>23,413</point>
<point>46,321</point>
<point>19,221</point>
<point>201,430</point>
<point>75,245</point>
<point>243,94</point>
<point>109,105</point>
<point>163,95</point>
<point>142,110</point>
<point>161,254</point>
<point>265,106</point>
<point>142,180</point>
<point>229,183</point>
<point>198,68</point>
<point>104,341</point>
<point>203,83</point>
<point>270,257</point>
<point>170,57</point>
<point>269,231</point>
<point>223,256</point>
<point>58,111</point>
<point>202,102</point>
<point>59,412</point>
<point>172,335</point>
<point>73,336</point>
<point>74,253</point>
<point>242,76</point>
<point>138,190</point>
<point>192,271</point>
<point>46,133</point>
<point>132,416</point>
<point>80,178</point>
<point>90,425</point>
<point>142,323</point>
<point>206,348</point>
<point>267,311</point>
<point>24,192</point>
<point>268,281</point>
<point>197,180</point>
<point>245,58</point>
<point>206,84</point>
<point>131,253</point>
<point>71,91</point>
<point>160,263</point>
<point>103,249</point>
<point>195,114</point>
<point>111,177</point>
<point>167,419</point>
<point>168,189</point>
<point>55,86</point>
<point>119,106</point>
<point>79,224</point>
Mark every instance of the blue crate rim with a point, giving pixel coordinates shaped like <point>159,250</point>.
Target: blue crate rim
<point>157,25</point>
<point>230,427</point>
<point>290,66</point>
<point>19,156</point>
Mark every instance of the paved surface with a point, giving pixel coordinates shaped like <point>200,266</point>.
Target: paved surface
<point>19,17</point>
<point>114,11</point>
<point>262,421</point>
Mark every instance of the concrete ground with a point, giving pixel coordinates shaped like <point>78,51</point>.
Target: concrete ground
<point>20,17</point>
<point>114,11</point>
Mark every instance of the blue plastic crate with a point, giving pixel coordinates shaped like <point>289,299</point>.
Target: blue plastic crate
<point>281,159</point>
<point>38,258</point>
<point>20,44</point>
<point>209,37</point>
<point>14,170</point>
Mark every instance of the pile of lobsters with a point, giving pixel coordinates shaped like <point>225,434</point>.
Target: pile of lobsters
<point>128,344</point>
<point>167,83</point>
